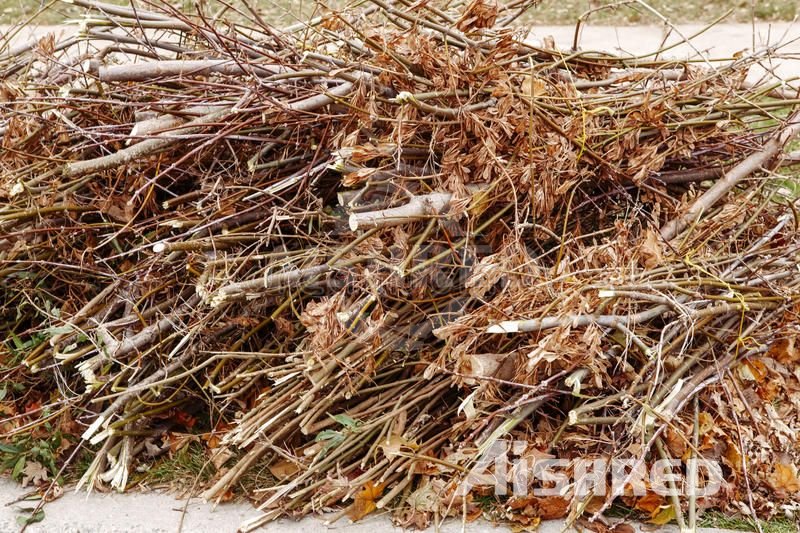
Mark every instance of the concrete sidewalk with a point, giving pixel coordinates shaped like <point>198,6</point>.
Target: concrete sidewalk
<point>720,41</point>
<point>161,513</point>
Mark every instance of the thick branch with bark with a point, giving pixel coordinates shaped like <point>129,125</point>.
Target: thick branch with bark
<point>185,68</point>
<point>733,177</point>
<point>420,207</point>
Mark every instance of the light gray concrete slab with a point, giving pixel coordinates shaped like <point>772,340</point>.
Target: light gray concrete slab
<point>154,512</point>
<point>719,41</point>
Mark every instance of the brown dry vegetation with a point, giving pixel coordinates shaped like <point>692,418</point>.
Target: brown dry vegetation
<point>547,12</point>
<point>357,252</point>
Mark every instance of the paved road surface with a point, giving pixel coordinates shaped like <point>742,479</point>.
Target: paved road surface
<point>161,513</point>
<point>723,40</point>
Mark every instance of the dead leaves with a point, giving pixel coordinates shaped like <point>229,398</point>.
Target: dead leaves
<point>752,370</point>
<point>663,515</point>
<point>650,251</point>
<point>434,496</point>
<point>526,510</point>
<point>284,469</point>
<point>395,445</point>
<point>184,419</point>
<point>533,87</point>
<point>659,510</point>
<point>178,441</point>
<point>479,14</point>
<point>365,501</point>
<point>321,318</point>
<point>783,479</point>
<point>784,350</point>
<point>34,474</point>
<point>649,503</point>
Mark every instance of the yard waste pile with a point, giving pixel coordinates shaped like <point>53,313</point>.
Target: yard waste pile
<point>357,253</point>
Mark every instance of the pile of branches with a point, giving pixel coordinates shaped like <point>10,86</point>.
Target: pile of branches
<point>361,250</point>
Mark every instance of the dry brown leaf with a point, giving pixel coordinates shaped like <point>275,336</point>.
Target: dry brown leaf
<point>180,440</point>
<point>784,351</point>
<point>533,87</point>
<point>676,442</point>
<point>732,456</point>
<point>553,508</point>
<point>662,516</point>
<point>784,478</point>
<point>284,469</point>
<point>650,251</point>
<point>479,14</point>
<point>623,527</point>
<point>705,423</point>
<point>365,501</point>
<point>34,474</point>
<point>752,370</point>
<point>649,503</point>
<point>529,524</point>
<point>54,493</point>
<point>394,444</point>
<point>221,456</point>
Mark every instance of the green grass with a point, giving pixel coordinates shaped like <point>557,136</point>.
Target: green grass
<point>548,12</point>
<point>567,11</point>
<point>739,523</point>
<point>181,469</point>
<point>716,519</point>
<point>280,12</point>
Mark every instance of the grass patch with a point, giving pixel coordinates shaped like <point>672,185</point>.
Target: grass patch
<point>257,477</point>
<point>547,12</point>
<point>740,523</point>
<point>567,11</point>
<point>182,469</point>
<point>714,519</point>
<point>279,12</point>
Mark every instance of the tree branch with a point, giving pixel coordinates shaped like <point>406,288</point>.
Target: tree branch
<point>732,178</point>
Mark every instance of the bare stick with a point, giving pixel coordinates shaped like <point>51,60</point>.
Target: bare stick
<point>164,141</point>
<point>177,68</point>
<point>143,149</point>
<point>609,321</point>
<point>418,208</point>
<point>243,289</point>
<point>162,123</point>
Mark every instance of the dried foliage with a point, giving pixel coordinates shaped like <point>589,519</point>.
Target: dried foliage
<point>364,247</point>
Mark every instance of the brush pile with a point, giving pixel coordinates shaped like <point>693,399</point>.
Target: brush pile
<point>359,251</point>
